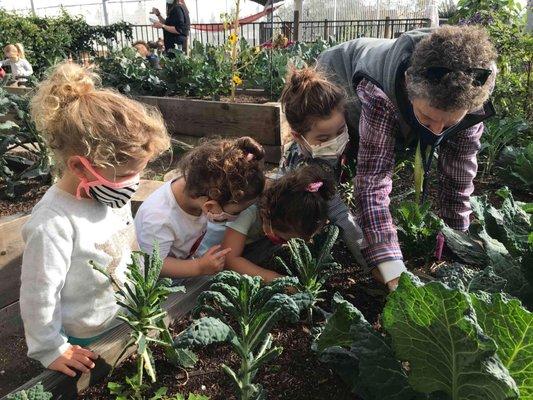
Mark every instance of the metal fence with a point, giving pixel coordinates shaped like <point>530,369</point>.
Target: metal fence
<point>259,33</point>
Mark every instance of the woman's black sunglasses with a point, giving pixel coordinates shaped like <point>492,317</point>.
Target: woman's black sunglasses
<point>479,75</point>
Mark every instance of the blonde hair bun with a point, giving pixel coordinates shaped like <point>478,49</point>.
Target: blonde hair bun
<point>68,82</point>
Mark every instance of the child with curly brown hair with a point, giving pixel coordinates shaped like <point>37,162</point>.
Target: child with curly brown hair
<point>293,206</point>
<point>101,141</point>
<point>218,179</point>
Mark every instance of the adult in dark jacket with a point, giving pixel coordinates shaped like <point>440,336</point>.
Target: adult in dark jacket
<point>429,88</point>
<point>175,27</point>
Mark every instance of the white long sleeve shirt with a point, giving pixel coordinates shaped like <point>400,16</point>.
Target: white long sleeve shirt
<point>21,68</point>
<point>61,294</point>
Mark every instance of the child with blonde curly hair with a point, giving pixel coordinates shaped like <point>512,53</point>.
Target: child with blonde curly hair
<point>16,60</point>
<point>217,180</point>
<point>101,141</point>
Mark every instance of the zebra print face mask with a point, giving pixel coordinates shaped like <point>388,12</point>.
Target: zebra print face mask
<point>111,194</point>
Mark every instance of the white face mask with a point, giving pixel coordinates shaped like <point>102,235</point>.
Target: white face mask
<point>331,149</point>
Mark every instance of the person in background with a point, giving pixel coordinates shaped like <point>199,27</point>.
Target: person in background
<point>20,67</point>
<point>144,50</point>
<point>175,27</point>
<point>101,142</point>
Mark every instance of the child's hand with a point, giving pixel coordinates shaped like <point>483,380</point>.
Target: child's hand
<point>213,261</point>
<point>75,357</point>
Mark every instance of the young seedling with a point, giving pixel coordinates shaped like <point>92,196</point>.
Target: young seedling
<point>240,301</point>
<point>312,267</point>
<point>142,296</point>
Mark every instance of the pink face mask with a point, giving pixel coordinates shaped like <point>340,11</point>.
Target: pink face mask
<point>112,194</point>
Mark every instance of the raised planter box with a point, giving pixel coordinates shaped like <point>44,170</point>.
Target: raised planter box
<point>189,120</point>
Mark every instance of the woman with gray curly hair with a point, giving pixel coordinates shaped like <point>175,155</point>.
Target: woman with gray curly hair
<point>429,89</point>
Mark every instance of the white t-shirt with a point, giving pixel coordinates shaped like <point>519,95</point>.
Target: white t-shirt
<point>249,224</point>
<point>61,294</point>
<point>161,219</point>
<point>20,68</point>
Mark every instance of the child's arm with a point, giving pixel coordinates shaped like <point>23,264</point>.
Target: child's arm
<point>340,215</point>
<point>45,264</point>
<point>235,241</point>
<point>210,263</point>
<point>28,70</point>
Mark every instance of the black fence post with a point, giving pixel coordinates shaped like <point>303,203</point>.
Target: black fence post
<point>326,29</point>
<point>296,26</point>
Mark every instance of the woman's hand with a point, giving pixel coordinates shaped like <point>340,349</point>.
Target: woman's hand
<point>155,11</point>
<point>158,25</point>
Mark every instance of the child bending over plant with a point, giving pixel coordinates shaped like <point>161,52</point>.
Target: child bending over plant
<point>293,206</point>
<point>101,141</point>
<point>218,179</point>
<point>314,108</point>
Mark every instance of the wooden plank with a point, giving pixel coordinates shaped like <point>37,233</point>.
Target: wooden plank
<point>11,248</point>
<point>109,348</point>
<point>20,91</point>
<point>203,118</point>
<point>272,153</point>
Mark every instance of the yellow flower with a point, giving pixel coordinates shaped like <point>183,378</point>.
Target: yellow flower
<point>237,80</point>
<point>233,38</point>
<point>257,49</point>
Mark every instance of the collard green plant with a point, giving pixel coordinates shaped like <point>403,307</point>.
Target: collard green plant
<point>142,296</point>
<point>23,153</point>
<point>435,329</point>
<point>498,133</point>
<point>312,268</point>
<point>362,357</point>
<point>511,327</point>
<point>417,228</point>
<point>35,393</point>
<point>522,168</point>
<point>242,312</point>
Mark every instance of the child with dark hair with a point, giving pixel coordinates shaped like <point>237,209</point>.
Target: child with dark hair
<point>218,179</point>
<point>293,206</point>
<point>314,108</point>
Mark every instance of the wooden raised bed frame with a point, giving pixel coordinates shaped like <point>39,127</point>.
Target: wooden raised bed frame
<point>190,120</point>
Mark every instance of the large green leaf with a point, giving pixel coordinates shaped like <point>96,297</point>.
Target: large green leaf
<point>434,328</point>
<point>369,367</point>
<point>203,332</point>
<point>511,327</point>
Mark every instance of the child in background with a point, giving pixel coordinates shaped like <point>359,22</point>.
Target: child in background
<point>16,60</point>
<point>219,179</point>
<point>314,108</point>
<point>144,50</point>
<point>293,206</point>
<point>101,141</point>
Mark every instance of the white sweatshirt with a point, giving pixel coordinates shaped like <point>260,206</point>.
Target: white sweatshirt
<point>21,68</point>
<point>61,294</point>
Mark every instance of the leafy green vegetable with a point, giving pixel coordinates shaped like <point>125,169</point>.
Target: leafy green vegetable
<point>311,268</point>
<point>17,167</point>
<point>239,301</point>
<point>417,228</point>
<point>143,296</point>
<point>434,328</point>
<point>35,393</point>
<point>511,327</point>
<point>363,358</point>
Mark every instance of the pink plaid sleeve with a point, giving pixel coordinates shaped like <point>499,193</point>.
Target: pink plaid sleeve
<point>457,169</point>
<point>378,126</point>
